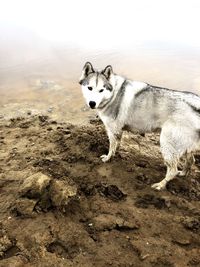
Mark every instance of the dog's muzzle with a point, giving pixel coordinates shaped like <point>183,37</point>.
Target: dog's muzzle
<point>92,104</point>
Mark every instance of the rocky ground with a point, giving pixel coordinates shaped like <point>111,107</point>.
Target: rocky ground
<point>61,206</point>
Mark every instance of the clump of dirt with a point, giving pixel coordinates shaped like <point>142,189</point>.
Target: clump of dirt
<point>61,206</point>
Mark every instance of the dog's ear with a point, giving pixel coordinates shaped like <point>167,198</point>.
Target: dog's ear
<point>87,69</point>
<point>107,72</point>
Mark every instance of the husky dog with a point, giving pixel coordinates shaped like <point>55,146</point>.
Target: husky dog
<point>124,104</point>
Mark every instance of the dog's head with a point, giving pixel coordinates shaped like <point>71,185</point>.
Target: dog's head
<point>97,86</point>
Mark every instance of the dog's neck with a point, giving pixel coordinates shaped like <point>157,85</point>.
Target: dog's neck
<point>117,82</point>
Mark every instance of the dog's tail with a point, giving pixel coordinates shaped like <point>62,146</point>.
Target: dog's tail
<point>192,100</point>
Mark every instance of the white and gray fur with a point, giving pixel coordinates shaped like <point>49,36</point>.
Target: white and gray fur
<point>123,104</point>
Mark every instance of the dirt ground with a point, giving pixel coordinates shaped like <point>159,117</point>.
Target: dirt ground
<point>61,206</point>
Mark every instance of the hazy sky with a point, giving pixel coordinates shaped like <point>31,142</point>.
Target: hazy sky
<point>106,23</point>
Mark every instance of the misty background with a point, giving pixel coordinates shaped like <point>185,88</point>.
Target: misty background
<point>44,44</point>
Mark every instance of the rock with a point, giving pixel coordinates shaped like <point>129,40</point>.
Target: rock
<point>111,191</point>
<point>34,185</point>
<point>192,224</point>
<point>195,261</point>
<point>50,109</point>
<point>14,261</point>
<point>108,222</point>
<point>127,224</point>
<point>5,243</point>
<point>104,222</point>
<point>181,239</point>
<point>61,192</point>
<point>25,206</point>
<point>43,118</point>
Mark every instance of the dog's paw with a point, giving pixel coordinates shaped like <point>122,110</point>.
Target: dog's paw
<point>158,186</point>
<point>105,158</point>
<point>182,173</point>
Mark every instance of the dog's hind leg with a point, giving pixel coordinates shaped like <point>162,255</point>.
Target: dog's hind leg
<point>188,162</point>
<point>172,171</point>
<point>170,148</point>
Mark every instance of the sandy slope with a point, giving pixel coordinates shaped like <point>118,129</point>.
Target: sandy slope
<point>77,211</point>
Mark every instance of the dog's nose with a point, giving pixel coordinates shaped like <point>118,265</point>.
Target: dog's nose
<point>92,104</point>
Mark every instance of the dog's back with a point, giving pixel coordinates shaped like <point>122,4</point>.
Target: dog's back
<point>152,106</point>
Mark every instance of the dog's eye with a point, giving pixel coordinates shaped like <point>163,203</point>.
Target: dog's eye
<point>100,91</point>
<point>90,88</point>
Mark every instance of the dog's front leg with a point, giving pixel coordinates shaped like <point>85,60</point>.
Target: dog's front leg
<point>114,140</point>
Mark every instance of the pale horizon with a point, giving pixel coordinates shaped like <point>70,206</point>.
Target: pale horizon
<point>105,24</point>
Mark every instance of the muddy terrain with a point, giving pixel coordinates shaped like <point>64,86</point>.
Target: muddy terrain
<point>61,206</point>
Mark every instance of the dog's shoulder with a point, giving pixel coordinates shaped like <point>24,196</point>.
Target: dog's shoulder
<point>137,87</point>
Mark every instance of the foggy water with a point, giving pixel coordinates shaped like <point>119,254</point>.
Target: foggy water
<point>42,75</point>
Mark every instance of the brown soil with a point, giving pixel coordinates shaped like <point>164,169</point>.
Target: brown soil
<point>61,206</point>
